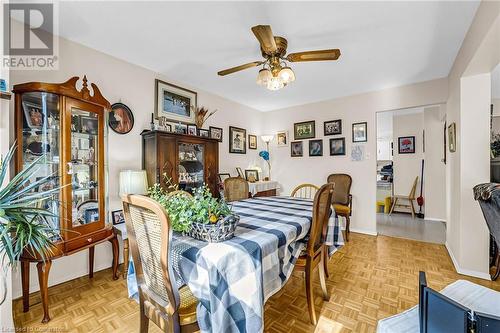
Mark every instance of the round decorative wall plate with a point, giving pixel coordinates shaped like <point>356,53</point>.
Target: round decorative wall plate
<point>121,118</point>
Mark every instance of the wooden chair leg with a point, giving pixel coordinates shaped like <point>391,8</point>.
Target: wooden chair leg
<point>325,261</point>
<point>43,280</point>
<point>347,227</point>
<point>25,280</point>
<point>497,264</point>
<point>91,262</point>
<point>114,245</point>
<point>393,205</point>
<point>125,258</point>
<point>412,208</point>
<point>322,276</point>
<point>309,293</point>
<point>144,321</point>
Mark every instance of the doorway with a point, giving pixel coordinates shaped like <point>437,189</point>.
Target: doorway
<point>411,181</point>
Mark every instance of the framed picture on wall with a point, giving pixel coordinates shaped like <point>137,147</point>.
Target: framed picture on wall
<point>237,140</point>
<point>337,146</point>
<point>174,102</point>
<point>406,145</point>
<point>333,127</point>
<point>252,141</point>
<point>452,138</point>
<point>282,139</point>
<point>215,133</point>
<point>304,130</point>
<point>315,147</point>
<point>297,149</point>
<point>360,132</point>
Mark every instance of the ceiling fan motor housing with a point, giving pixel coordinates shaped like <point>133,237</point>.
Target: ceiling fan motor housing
<point>281,45</point>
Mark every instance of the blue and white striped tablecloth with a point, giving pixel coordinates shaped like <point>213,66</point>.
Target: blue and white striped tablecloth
<point>233,279</point>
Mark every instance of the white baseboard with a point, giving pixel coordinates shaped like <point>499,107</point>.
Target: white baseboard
<point>434,219</point>
<point>364,231</point>
<point>462,271</point>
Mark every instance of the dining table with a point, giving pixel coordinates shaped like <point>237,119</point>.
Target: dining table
<point>233,279</point>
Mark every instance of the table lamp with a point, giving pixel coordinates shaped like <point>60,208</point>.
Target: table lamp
<point>133,182</point>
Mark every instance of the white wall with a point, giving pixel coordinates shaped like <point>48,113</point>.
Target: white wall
<point>468,106</point>
<point>384,136</point>
<point>435,169</point>
<point>293,171</point>
<point>134,86</point>
<point>407,166</point>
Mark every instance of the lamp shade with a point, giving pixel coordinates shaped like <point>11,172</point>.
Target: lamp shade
<point>133,182</point>
<point>266,138</point>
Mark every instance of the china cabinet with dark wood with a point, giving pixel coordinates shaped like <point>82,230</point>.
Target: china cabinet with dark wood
<point>187,160</point>
<point>68,128</point>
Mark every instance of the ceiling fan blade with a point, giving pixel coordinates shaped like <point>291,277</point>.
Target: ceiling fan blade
<point>240,68</point>
<point>332,54</point>
<point>265,37</point>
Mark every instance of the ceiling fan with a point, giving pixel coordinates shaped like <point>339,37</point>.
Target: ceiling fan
<point>275,73</point>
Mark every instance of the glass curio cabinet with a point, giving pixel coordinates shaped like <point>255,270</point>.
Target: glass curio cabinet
<point>67,129</point>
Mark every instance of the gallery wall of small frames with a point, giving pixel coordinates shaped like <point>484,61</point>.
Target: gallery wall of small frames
<point>336,145</point>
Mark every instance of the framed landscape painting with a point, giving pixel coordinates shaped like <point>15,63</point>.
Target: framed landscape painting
<point>304,130</point>
<point>237,140</point>
<point>174,103</point>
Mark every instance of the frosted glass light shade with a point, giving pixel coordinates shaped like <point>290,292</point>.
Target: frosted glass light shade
<point>133,182</point>
<point>264,77</point>
<point>287,75</point>
<point>275,83</point>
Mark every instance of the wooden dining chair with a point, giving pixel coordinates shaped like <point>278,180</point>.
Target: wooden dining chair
<point>342,198</point>
<point>305,191</point>
<point>313,255</point>
<point>179,192</point>
<point>409,198</point>
<point>150,235</point>
<point>235,188</point>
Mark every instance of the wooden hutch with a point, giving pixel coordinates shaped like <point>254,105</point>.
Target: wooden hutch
<point>69,128</point>
<point>187,160</point>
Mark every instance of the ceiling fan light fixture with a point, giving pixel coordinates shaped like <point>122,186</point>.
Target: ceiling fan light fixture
<point>263,77</point>
<point>287,75</point>
<point>275,83</point>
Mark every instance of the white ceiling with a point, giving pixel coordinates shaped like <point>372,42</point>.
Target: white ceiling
<point>383,44</point>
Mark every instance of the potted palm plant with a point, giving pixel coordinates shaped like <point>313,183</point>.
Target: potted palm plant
<point>25,227</point>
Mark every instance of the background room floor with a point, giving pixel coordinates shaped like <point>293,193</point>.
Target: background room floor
<point>404,226</point>
<point>370,278</point>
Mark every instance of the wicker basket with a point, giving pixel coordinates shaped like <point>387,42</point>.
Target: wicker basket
<point>214,232</point>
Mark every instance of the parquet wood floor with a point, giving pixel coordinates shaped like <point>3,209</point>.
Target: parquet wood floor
<point>370,278</point>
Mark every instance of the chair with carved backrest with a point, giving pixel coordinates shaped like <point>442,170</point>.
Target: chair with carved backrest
<point>235,188</point>
<point>304,191</point>
<point>313,255</point>
<point>149,231</point>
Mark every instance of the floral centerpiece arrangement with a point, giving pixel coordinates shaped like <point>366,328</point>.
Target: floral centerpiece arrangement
<point>200,216</point>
